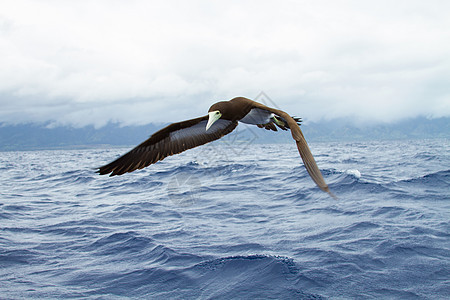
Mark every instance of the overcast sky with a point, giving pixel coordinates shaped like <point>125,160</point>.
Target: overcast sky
<point>136,62</point>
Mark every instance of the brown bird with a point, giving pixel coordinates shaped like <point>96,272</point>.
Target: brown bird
<point>222,119</point>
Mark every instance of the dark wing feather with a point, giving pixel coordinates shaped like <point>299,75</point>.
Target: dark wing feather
<point>173,139</point>
<point>303,149</point>
<point>281,123</point>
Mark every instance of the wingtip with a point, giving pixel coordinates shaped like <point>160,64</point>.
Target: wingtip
<point>333,195</point>
<point>101,172</point>
<point>327,190</point>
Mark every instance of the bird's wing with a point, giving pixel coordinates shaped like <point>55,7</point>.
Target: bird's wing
<point>303,149</point>
<point>173,139</point>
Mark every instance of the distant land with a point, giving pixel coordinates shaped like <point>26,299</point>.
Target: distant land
<point>44,136</point>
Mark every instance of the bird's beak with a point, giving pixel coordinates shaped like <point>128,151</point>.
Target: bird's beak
<point>213,117</point>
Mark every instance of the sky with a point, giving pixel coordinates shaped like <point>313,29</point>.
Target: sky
<point>136,62</point>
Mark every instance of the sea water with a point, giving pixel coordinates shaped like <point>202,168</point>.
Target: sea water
<point>229,220</point>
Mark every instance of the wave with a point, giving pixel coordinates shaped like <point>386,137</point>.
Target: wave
<point>251,276</point>
<point>254,276</point>
<point>432,186</point>
<point>119,243</point>
<point>351,181</point>
<point>19,257</point>
<point>168,273</point>
<point>425,157</point>
<point>432,179</point>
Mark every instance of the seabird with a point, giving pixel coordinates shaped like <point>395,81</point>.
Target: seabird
<point>222,119</point>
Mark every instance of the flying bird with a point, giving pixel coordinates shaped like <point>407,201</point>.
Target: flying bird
<point>222,118</point>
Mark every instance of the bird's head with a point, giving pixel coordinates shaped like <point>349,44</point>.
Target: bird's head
<point>215,112</point>
<point>213,117</point>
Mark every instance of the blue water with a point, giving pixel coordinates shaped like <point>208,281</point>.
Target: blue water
<point>229,220</point>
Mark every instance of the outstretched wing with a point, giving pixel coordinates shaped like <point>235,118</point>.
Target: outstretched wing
<point>173,139</point>
<point>303,149</point>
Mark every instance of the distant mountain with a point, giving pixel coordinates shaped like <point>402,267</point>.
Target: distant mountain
<point>415,128</point>
<point>42,136</point>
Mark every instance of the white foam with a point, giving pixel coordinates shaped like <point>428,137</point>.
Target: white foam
<point>354,172</point>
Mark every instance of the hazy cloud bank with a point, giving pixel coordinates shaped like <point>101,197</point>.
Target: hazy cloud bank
<point>135,62</point>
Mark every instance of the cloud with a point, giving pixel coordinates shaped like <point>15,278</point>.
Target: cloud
<point>134,62</point>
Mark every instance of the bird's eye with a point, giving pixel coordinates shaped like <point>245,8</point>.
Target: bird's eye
<point>217,112</point>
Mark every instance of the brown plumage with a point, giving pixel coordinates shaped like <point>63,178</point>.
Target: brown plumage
<point>181,136</point>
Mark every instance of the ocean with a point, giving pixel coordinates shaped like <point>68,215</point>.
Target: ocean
<point>229,220</point>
